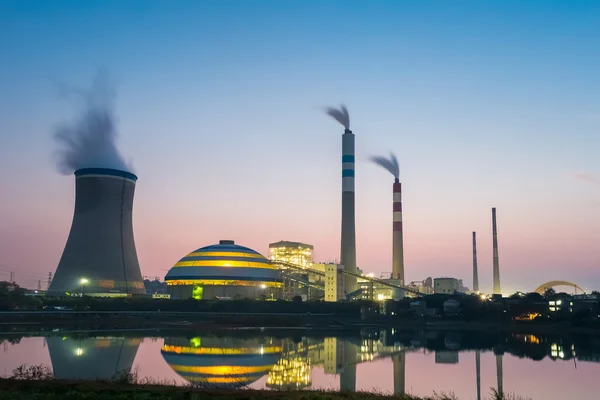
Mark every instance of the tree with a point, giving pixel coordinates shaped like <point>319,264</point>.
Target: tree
<point>549,292</point>
<point>297,300</point>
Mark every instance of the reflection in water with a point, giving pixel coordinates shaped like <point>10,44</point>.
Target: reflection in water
<point>221,362</point>
<point>91,358</point>
<point>478,372</point>
<point>289,363</point>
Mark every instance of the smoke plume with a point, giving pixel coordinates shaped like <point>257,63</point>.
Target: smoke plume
<point>390,164</point>
<point>89,140</point>
<point>340,115</point>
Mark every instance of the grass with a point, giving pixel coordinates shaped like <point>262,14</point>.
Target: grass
<point>38,383</point>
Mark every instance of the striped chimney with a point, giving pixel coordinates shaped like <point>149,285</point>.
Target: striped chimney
<point>496,264</point>
<point>475,273</point>
<point>348,234</point>
<point>397,239</point>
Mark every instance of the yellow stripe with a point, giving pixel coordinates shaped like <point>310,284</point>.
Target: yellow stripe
<point>228,282</point>
<point>219,350</point>
<point>224,263</point>
<point>223,254</point>
<point>220,379</point>
<point>222,369</point>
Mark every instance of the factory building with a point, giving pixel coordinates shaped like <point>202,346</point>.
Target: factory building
<point>224,270</point>
<point>448,286</point>
<point>334,282</point>
<point>297,253</point>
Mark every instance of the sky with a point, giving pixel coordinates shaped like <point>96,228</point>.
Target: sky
<point>219,106</point>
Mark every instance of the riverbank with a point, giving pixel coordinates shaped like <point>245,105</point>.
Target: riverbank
<point>76,390</point>
<point>49,321</point>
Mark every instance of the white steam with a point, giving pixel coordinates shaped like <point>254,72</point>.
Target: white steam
<point>390,164</point>
<point>340,115</point>
<point>90,139</point>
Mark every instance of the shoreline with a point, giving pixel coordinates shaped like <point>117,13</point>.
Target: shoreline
<point>51,389</point>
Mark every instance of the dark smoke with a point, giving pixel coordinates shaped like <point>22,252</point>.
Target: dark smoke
<point>90,139</point>
<point>340,115</point>
<point>390,164</point>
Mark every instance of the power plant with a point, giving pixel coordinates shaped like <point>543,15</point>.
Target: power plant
<point>100,257</point>
<point>348,239</point>
<point>496,263</point>
<point>475,273</point>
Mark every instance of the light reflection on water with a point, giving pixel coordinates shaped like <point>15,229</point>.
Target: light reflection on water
<point>528,365</point>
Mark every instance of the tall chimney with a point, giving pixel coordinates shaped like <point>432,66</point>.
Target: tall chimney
<point>475,274</point>
<point>497,289</point>
<point>100,257</point>
<point>348,245</point>
<point>397,239</point>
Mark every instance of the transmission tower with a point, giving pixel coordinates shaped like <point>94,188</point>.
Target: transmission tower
<point>12,277</point>
<point>39,285</point>
<point>49,280</point>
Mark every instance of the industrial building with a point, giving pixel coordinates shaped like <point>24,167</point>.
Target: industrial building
<point>334,282</point>
<point>448,286</point>
<point>100,258</point>
<point>296,253</point>
<point>224,270</point>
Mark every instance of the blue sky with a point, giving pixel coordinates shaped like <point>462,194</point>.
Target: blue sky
<point>486,104</point>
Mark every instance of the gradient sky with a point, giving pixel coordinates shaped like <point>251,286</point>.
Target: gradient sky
<point>487,104</point>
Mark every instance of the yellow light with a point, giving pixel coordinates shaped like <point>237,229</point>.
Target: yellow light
<point>79,351</point>
<point>83,281</point>
<point>380,297</point>
<point>483,296</point>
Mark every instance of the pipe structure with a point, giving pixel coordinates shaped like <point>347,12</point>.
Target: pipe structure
<point>496,263</point>
<point>475,274</point>
<point>348,239</point>
<point>100,256</point>
<point>398,244</point>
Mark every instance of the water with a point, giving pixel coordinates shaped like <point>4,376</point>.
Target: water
<point>532,366</point>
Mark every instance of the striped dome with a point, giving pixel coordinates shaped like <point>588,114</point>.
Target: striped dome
<point>225,263</point>
<point>221,363</point>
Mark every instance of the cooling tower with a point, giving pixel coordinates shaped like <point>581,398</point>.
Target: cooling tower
<point>475,273</point>
<point>496,262</point>
<point>100,257</point>
<point>398,245</point>
<point>91,358</point>
<point>348,246</point>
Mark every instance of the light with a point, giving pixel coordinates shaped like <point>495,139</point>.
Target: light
<point>483,296</point>
<point>78,351</point>
<point>558,302</point>
<point>380,297</point>
<point>263,286</point>
<point>83,281</point>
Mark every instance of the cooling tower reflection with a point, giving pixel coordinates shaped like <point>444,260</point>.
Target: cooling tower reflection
<point>91,358</point>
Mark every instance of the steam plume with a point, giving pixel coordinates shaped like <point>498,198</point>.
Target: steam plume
<point>90,139</point>
<point>340,115</point>
<point>390,164</point>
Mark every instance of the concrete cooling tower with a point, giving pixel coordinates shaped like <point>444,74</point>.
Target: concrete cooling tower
<point>100,258</point>
<point>91,358</point>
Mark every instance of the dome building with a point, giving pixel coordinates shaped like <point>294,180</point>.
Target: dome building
<point>224,270</point>
<point>221,362</point>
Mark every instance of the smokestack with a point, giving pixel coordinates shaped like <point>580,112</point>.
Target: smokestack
<point>475,274</point>
<point>497,289</point>
<point>397,239</point>
<point>100,257</point>
<point>392,166</point>
<point>348,236</point>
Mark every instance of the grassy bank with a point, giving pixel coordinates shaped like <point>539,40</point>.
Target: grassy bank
<point>66,390</point>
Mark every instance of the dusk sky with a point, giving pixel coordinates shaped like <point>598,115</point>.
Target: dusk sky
<point>219,106</point>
